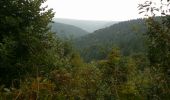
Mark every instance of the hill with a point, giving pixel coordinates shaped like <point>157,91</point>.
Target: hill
<point>128,36</point>
<point>64,30</point>
<point>88,25</point>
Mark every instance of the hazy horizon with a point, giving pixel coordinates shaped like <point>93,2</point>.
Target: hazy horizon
<point>92,20</point>
<point>96,10</point>
<point>88,25</point>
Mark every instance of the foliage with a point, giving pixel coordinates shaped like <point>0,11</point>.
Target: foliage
<point>116,77</point>
<point>36,64</point>
<point>128,36</point>
<point>159,49</point>
<point>26,43</point>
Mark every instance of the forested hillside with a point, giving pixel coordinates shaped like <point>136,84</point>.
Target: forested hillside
<point>88,25</point>
<point>68,31</point>
<point>129,36</point>
<point>126,61</point>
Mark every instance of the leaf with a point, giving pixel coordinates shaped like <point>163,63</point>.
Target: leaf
<point>141,12</point>
<point>140,8</point>
<point>145,5</point>
<point>156,9</point>
<point>163,13</point>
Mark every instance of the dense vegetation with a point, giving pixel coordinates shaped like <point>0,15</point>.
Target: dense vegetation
<point>37,65</point>
<point>128,36</point>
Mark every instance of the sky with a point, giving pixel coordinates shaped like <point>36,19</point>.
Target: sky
<point>111,10</point>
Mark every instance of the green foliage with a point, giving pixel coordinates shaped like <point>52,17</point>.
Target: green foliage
<point>26,42</point>
<point>113,78</point>
<point>128,36</point>
<point>123,78</point>
<point>158,48</point>
<point>36,64</point>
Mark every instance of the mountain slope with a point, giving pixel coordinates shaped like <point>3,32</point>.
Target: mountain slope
<point>128,36</point>
<point>64,30</point>
<point>87,25</point>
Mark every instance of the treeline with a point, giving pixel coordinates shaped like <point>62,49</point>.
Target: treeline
<point>37,65</point>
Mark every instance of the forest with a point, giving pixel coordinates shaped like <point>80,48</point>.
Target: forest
<point>128,60</point>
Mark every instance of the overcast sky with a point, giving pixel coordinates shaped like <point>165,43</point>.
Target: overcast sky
<point>116,10</point>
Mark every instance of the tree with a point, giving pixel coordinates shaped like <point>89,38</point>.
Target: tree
<point>114,74</point>
<point>25,39</point>
<point>159,47</point>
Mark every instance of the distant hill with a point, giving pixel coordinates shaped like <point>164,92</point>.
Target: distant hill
<point>88,25</point>
<point>128,36</point>
<point>64,30</point>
